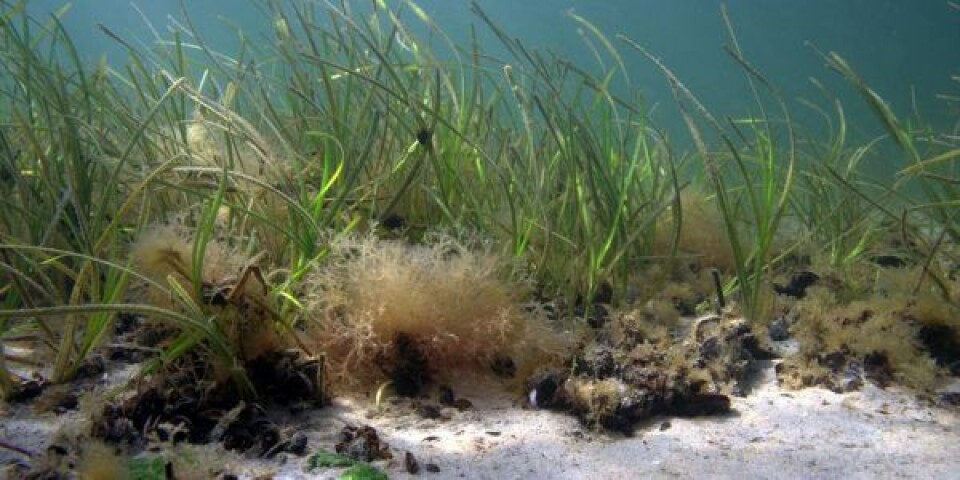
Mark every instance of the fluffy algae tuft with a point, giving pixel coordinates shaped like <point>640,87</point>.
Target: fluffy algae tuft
<point>389,310</point>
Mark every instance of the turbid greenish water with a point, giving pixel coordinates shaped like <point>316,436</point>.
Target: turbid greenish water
<point>380,195</point>
<point>907,51</point>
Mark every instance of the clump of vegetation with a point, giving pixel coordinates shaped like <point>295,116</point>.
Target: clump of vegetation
<point>640,370</point>
<point>389,310</point>
<point>884,337</point>
<point>700,238</point>
<point>230,349</point>
<point>231,287</point>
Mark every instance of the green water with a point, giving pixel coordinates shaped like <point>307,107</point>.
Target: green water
<point>907,51</point>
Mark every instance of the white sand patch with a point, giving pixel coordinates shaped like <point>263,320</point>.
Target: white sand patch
<point>812,433</point>
<point>773,433</point>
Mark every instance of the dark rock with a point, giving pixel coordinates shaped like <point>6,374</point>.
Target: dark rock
<point>756,350</point>
<point>687,307</point>
<point>445,395</point>
<point>363,444</point>
<point>430,412</point>
<point>835,361</point>
<point>597,317</point>
<point>393,222</point>
<point>425,138</point>
<point>27,390</point>
<point>91,367</point>
<point>408,368</point>
<point>702,404</point>
<point>710,349</point>
<point>297,444</point>
<point>544,390</point>
<point>852,377</point>
<point>284,377</point>
<point>68,401</point>
<point>121,353</point>
<point>504,367</point>
<point>603,295</point>
<point>941,342</point>
<point>888,261</point>
<point>798,285</point>
<point>411,464</point>
<point>950,398</point>
<point>779,329</point>
<point>57,450</point>
<point>126,323</point>
<point>877,368</point>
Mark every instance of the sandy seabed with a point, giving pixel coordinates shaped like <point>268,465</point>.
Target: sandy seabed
<point>772,433</point>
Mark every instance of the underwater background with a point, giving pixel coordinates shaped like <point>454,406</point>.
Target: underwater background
<point>637,201</point>
<point>906,51</point>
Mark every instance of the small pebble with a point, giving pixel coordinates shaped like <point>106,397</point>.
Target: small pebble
<point>445,397</point>
<point>410,462</point>
<point>429,412</point>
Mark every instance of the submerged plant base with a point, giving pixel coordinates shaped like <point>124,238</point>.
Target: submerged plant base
<point>641,371</point>
<point>883,340</point>
<point>180,409</point>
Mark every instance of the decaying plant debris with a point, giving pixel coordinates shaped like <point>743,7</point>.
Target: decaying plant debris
<point>884,336</point>
<point>645,371</point>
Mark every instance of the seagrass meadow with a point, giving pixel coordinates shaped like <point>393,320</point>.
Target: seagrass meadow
<point>361,204</point>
